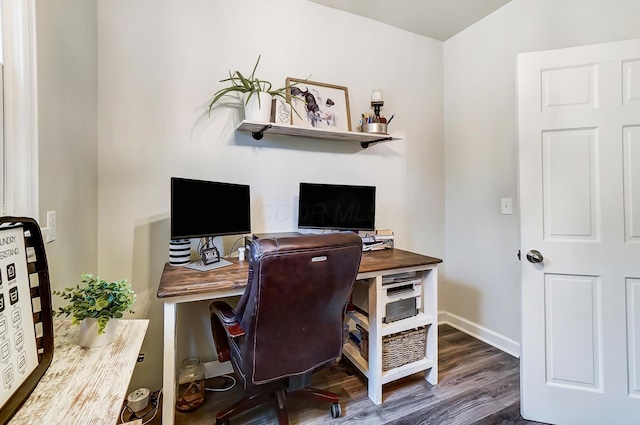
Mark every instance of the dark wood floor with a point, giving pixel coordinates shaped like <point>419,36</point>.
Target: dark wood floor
<point>478,385</point>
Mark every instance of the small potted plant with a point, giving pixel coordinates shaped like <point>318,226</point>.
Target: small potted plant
<point>256,94</point>
<point>93,305</point>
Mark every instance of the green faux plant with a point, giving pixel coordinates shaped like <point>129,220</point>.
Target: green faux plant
<point>97,299</point>
<point>239,83</point>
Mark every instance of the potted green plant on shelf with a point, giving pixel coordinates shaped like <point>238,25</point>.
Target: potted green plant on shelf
<point>95,306</point>
<point>256,94</point>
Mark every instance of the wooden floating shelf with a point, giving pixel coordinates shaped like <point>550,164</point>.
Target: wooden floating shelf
<point>259,129</point>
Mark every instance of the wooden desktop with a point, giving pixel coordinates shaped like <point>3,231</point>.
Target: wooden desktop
<point>181,285</point>
<point>84,385</point>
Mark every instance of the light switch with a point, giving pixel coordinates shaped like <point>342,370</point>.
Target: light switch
<point>506,206</point>
<point>51,225</point>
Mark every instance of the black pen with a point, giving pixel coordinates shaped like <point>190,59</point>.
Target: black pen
<point>389,120</point>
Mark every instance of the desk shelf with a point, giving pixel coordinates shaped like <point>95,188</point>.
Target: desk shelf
<point>352,352</point>
<point>259,129</point>
<point>359,319</point>
<point>406,370</point>
<point>420,319</point>
<point>378,331</point>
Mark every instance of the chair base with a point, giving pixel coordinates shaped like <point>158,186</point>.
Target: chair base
<point>278,398</point>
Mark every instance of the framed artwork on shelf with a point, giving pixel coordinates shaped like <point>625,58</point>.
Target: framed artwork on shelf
<point>280,111</point>
<point>319,105</point>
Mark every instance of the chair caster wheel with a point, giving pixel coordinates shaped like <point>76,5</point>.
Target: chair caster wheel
<point>336,411</point>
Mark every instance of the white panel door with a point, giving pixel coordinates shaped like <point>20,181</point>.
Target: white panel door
<point>579,164</point>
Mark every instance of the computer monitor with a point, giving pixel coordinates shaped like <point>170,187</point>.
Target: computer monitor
<point>336,207</point>
<point>202,208</point>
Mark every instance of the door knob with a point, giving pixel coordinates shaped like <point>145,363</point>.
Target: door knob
<point>534,256</point>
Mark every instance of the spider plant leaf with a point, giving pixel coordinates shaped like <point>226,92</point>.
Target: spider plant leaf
<point>249,97</point>
<point>220,93</point>
<point>267,86</point>
<point>255,67</point>
<point>246,83</point>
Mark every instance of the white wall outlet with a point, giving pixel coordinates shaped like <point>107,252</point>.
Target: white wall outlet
<point>506,206</point>
<point>50,236</point>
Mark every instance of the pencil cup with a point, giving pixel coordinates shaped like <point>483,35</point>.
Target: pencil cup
<point>376,127</point>
<point>179,252</point>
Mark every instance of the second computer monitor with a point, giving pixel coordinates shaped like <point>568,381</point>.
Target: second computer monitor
<point>336,207</point>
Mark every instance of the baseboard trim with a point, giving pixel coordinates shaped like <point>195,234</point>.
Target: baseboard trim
<point>477,331</point>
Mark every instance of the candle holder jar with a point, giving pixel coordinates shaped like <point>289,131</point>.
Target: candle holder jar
<point>190,393</point>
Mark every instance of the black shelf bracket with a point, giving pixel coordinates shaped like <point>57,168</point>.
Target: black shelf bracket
<point>366,144</point>
<point>258,135</point>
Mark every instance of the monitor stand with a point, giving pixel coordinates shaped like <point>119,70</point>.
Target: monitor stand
<point>197,265</point>
<point>275,235</point>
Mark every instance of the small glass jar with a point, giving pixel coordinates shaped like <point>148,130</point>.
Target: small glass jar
<point>190,393</point>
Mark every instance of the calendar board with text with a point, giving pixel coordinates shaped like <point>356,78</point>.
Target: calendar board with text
<point>26,335</point>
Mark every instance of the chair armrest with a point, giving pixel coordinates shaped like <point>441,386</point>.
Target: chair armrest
<point>222,318</point>
<point>228,319</point>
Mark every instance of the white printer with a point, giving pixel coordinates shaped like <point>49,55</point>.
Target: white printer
<point>400,296</point>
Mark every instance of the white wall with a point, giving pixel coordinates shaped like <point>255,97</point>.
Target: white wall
<point>66,34</point>
<point>159,63</point>
<point>482,282</point>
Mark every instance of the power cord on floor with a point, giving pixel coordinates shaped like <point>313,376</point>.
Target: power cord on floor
<point>154,398</point>
<point>233,383</point>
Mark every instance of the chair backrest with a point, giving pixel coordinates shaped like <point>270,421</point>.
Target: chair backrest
<point>294,304</point>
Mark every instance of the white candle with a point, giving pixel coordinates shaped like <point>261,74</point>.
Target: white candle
<point>376,96</point>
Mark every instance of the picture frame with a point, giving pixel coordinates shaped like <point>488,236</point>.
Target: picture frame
<point>280,111</point>
<point>324,105</point>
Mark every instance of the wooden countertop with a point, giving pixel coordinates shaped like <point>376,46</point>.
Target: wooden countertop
<point>84,385</point>
<point>180,281</point>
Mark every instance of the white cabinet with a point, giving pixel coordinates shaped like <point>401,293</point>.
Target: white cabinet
<point>381,333</point>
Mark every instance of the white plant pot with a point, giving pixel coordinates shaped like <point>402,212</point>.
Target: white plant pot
<point>256,110</point>
<point>88,336</point>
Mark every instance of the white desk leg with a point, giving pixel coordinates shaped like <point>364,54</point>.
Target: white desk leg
<point>431,374</point>
<point>169,364</point>
<point>430,287</point>
<point>375,341</point>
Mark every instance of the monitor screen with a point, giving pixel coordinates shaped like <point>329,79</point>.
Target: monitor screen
<point>204,209</point>
<point>336,207</point>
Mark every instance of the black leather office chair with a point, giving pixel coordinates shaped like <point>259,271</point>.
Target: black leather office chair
<point>288,322</point>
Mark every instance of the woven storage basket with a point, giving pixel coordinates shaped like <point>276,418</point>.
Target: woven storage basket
<point>397,349</point>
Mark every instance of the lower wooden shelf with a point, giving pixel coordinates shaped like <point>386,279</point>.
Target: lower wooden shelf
<point>352,352</point>
<point>406,370</point>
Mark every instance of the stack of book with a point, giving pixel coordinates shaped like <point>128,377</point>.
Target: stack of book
<point>375,240</point>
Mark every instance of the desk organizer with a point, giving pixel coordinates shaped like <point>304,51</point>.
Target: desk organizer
<point>375,127</point>
<point>397,349</point>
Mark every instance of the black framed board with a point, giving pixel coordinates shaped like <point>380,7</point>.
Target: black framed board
<point>26,317</point>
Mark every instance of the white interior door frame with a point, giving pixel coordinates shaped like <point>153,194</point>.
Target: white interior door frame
<point>20,108</point>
